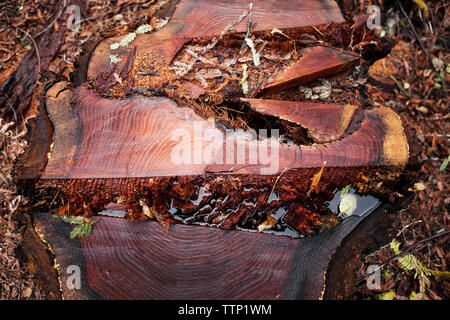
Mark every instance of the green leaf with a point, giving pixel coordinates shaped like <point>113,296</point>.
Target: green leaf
<point>444,164</point>
<point>69,219</point>
<point>390,295</point>
<point>82,230</point>
<point>400,86</point>
<point>345,190</point>
<point>76,232</point>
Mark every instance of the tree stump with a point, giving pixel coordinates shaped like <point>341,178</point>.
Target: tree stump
<point>130,136</point>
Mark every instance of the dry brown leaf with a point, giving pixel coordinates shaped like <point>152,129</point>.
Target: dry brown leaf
<point>268,224</point>
<point>316,178</point>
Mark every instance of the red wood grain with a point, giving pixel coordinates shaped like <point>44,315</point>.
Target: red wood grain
<point>315,63</point>
<point>139,136</point>
<point>204,18</point>
<point>325,122</point>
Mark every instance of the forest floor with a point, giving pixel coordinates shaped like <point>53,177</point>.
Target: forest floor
<point>417,88</point>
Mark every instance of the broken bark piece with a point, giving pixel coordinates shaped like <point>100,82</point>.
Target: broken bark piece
<point>195,19</point>
<point>315,63</point>
<point>17,91</point>
<point>193,91</point>
<point>120,66</point>
<point>298,217</point>
<point>325,122</point>
<point>382,70</point>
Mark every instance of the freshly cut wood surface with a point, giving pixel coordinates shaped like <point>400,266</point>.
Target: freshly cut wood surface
<point>140,260</point>
<point>145,137</point>
<point>325,122</point>
<point>315,63</point>
<point>142,137</point>
<point>204,18</point>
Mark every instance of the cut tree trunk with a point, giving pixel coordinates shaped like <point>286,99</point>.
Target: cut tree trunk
<point>152,157</point>
<point>137,260</point>
<point>201,19</point>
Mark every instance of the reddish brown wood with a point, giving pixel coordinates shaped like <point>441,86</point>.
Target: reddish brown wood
<point>103,149</point>
<point>140,260</point>
<point>315,63</point>
<point>203,18</point>
<point>138,137</point>
<point>96,151</point>
<point>325,122</point>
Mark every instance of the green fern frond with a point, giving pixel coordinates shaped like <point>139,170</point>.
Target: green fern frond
<point>83,229</point>
<point>69,219</point>
<point>410,262</point>
<point>407,262</point>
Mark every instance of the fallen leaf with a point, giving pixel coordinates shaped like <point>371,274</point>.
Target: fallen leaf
<point>146,210</point>
<point>422,5</point>
<point>444,164</point>
<point>251,45</point>
<point>390,295</point>
<point>27,293</point>
<point>316,178</point>
<point>422,109</point>
<point>244,82</point>
<point>268,224</point>
<point>276,30</point>
<point>348,205</point>
<point>419,186</point>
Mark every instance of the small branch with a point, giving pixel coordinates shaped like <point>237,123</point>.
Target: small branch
<point>35,47</point>
<point>276,181</point>
<point>434,135</point>
<point>415,34</point>
<point>403,253</point>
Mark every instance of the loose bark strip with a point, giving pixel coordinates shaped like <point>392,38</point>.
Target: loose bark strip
<point>315,63</point>
<point>325,122</point>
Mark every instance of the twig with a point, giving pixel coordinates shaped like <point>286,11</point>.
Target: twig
<point>276,181</point>
<point>398,256</point>
<point>249,26</point>
<point>434,135</point>
<point>416,34</point>
<point>400,86</point>
<point>35,47</point>
<point>11,56</point>
<point>407,226</point>
<point>53,22</point>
